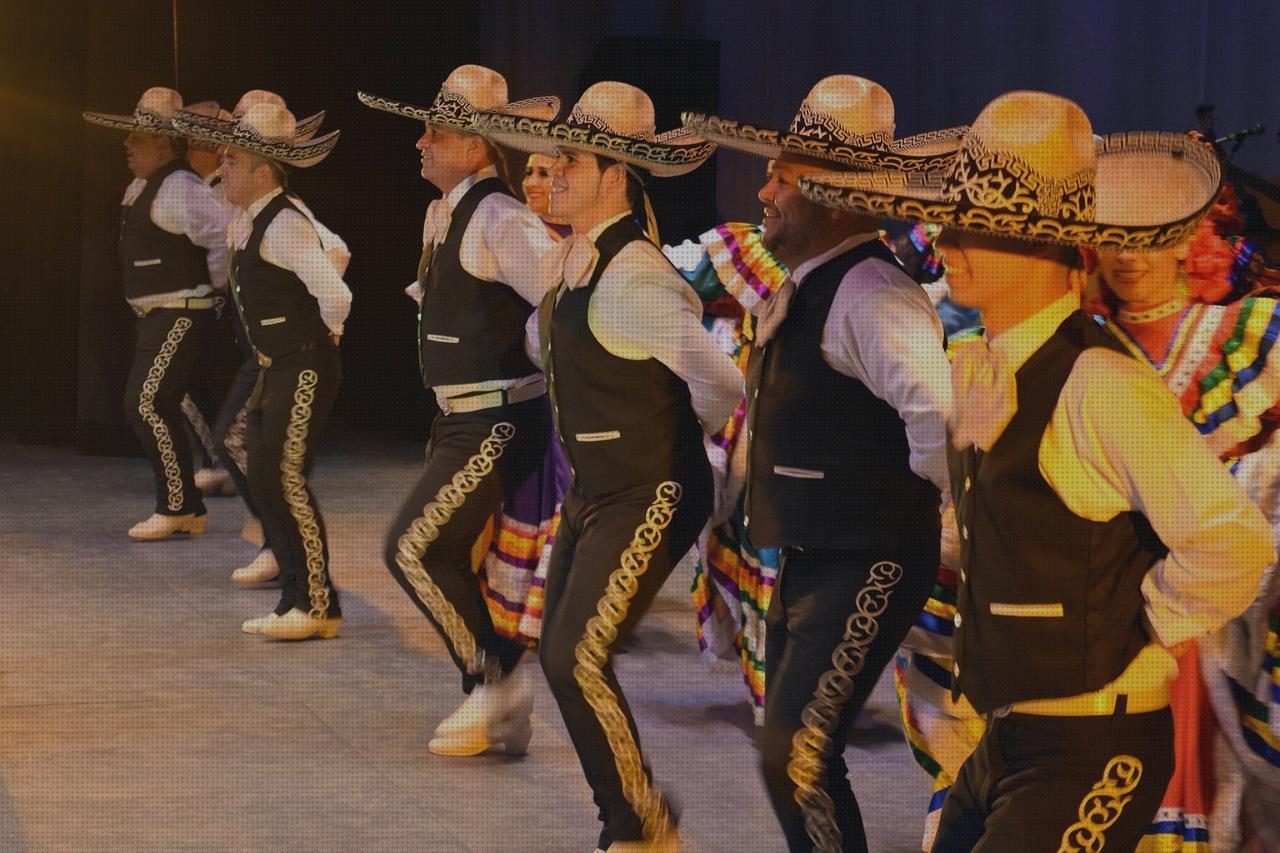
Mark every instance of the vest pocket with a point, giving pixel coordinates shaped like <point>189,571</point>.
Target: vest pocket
<point>1027,611</point>
<point>610,435</point>
<point>443,339</point>
<point>273,321</point>
<point>799,473</point>
<point>150,262</point>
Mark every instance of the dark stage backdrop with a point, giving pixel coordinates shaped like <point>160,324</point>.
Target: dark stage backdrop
<point>1141,64</point>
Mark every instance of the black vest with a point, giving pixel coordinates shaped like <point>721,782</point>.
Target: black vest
<point>1026,557</point>
<point>828,461</point>
<point>277,311</point>
<point>152,260</point>
<point>623,423</point>
<point>469,330</point>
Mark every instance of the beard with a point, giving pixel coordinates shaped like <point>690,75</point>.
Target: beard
<point>789,235</point>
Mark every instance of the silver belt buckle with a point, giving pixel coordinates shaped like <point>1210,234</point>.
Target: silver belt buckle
<point>446,408</point>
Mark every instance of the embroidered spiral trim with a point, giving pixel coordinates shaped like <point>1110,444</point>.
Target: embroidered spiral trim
<point>234,440</point>
<point>426,529</point>
<point>147,409</point>
<point>199,424</point>
<point>592,653</point>
<point>811,745</point>
<point>1102,806</point>
<point>295,492</point>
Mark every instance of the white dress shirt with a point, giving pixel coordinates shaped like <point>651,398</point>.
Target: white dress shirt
<point>505,243</point>
<point>884,331</point>
<point>1118,442</point>
<point>642,308</point>
<point>184,204</point>
<point>292,242</point>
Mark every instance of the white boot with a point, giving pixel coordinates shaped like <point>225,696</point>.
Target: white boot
<point>492,714</point>
<point>263,568</point>
<point>215,481</point>
<point>158,526</point>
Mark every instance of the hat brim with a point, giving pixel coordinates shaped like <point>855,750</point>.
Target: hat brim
<point>1135,204</point>
<point>541,107</point>
<point>921,152</point>
<point>302,154</point>
<point>128,124</point>
<point>667,155</point>
<point>303,129</point>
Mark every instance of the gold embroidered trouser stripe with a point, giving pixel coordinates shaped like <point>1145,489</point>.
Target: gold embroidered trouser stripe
<point>415,541</point>
<point>295,492</point>
<point>811,745</point>
<point>592,653</point>
<point>147,409</point>
<point>199,424</point>
<point>1102,806</point>
<point>235,439</point>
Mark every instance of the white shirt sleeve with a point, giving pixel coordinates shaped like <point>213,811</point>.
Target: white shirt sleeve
<point>334,246</point>
<point>507,242</point>
<point>291,242</point>
<point>642,308</point>
<point>883,331</point>
<point>184,204</point>
<point>1118,441</point>
<point>533,340</point>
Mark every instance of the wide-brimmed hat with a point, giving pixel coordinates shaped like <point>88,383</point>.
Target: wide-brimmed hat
<point>208,109</point>
<point>612,119</point>
<point>1031,168</point>
<point>467,90</point>
<point>305,128</point>
<point>153,114</point>
<point>848,120</point>
<point>266,129</point>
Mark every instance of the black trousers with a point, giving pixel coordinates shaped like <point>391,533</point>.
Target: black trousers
<point>475,462</point>
<point>1060,783</point>
<point>284,427</point>
<point>230,428</point>
<point>817,598</point>
<point>167,343</point>
<point>654,526</point>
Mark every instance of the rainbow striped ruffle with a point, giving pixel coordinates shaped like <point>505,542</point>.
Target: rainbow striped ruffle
<point>516,551</point>
<point>747,270</point>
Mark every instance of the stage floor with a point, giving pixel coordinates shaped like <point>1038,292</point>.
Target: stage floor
<point>134,715</point>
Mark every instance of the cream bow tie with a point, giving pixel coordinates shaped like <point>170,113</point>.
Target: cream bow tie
<point>986,393</point>
<point>578,260</point>
<point>436,223</point>
<point>775,311</point>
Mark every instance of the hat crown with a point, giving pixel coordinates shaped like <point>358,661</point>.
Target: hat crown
<point>846,109</point>
<point>470,88</point>
<point>256,96</point>
<point>156,106</point>
<point>617,108</point>
<point>209,109</point>
<point>1028,152</point>
<point>269,123</point>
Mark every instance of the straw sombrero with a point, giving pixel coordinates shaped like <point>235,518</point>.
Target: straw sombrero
<point>1031,168</point>
<point>266,129</point>
<point>846,119</point>
<point>612,119</point>
<point>305,128</point>
<point>153,114</point>
<point>467,90</point>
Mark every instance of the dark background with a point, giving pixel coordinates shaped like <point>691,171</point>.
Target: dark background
<point>67,333</point>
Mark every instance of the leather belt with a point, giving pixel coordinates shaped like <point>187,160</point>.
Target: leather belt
<point>492,399</point>
<point>1095,704</point>
<point>194,303</point>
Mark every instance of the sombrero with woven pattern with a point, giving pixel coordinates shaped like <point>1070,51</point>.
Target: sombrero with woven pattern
<point>1031,168</point>
<point>612,119</point>
<point>266,129</point>
<point>848,120</point>
<point>305,128</point>
<point>153,114</point>
<point>467,90</point>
